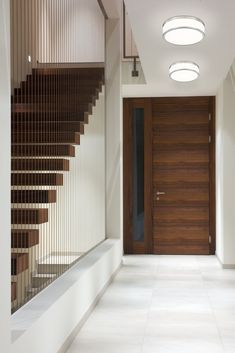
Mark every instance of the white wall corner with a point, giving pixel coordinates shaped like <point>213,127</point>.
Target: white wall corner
<point>219,175</point>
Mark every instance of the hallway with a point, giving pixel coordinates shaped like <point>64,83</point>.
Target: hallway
<point>164,304</point>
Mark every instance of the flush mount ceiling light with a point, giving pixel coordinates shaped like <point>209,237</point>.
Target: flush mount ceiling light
<point>183,30</point>
<point>184,71</point>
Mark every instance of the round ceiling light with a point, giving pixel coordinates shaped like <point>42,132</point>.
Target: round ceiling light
<point>184,71</point>
<point>183,30</point>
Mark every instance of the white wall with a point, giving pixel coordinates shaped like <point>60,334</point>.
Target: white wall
<point>113,8</point>
<point>127,78</point>
<point>5,177</point>
<point>71,31</point>
<point>219,175</point>
<point>130,45</point>
<point>114,184</point>
<point>225,186</point>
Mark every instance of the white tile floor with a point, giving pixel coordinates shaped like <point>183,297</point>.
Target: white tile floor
<point>164,304</point>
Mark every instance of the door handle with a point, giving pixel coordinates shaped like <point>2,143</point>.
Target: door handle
<point>161,193</point>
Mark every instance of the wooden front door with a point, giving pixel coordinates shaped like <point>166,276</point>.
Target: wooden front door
<point>180,193</point>
<point>182,158</point>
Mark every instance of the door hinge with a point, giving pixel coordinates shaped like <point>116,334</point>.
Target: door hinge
<point>209,116</point>
<point>210,239</point>
<point>209,139</point>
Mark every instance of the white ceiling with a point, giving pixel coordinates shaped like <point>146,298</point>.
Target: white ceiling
<point>214,54</point>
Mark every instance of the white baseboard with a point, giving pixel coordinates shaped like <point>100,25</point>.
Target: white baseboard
<point>225,266</point>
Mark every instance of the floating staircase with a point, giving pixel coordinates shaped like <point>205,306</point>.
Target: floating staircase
<point>48,114</point>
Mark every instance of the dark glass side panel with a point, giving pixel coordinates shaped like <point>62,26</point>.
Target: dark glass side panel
<point>138,174</point>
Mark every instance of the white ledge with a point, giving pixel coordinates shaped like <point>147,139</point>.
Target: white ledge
<point>85,279</point>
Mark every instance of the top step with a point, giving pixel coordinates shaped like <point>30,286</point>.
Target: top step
<point>92,72</point>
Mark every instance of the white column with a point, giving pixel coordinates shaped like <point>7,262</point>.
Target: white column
<point>226,174</point>
<point>4,177</point>
<point>114,213</point>
<point>219,176</point>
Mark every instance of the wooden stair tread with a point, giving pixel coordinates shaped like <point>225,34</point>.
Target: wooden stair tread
<point>20,117</point>
<point>25,238</point>
<point>51,107</point>
<point>29,215</point>
<point>65,98</point>
<point>33,196</point>
<point>36,179</point>
<point>48,126</point>
<point>58,78</point>
<point>13,291</point>
<point>78,80</point>
<point>19,263</point>
<point>68,70</point>
<point>50,87</point>
<point>40,164</point>
<point>49,91</point>
<point>47,137</point>
<point>42,150</point>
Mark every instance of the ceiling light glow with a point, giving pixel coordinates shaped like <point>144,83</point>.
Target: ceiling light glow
<point>184,71</point>
<point>183,30</point>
